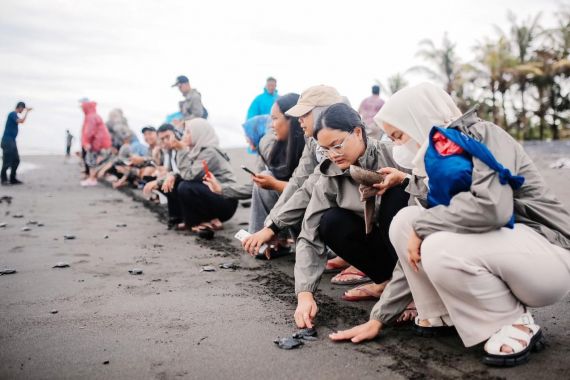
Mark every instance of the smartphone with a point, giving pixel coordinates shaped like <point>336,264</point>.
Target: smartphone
<point>242,234</point>
<point>206,169</point>
<point>248,170</point>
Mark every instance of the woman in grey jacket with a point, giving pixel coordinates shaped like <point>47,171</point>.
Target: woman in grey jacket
<point>337,217</point>
<point>467,264</point>
<point>195,157</point>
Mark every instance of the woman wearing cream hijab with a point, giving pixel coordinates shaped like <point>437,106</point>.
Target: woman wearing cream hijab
<point>499,246</point>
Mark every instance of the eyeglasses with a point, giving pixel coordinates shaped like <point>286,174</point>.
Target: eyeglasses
<point>334,150</point>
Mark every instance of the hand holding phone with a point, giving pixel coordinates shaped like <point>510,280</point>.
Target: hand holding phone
<point>206,169</point>
<point>248,170</point>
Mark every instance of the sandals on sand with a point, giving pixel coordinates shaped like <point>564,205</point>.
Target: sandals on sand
<point>334,265</point>
<point>360,277</point>
<point>520,342</point>
<point>367,294</point>
<point>440,326</point>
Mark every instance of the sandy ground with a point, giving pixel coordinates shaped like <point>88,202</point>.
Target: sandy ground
<point>174,321</point>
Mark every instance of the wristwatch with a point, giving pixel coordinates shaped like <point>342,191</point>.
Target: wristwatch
<point>406,180</point>
<point>271,225</point>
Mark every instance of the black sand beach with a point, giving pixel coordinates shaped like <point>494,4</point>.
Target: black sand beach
<point>174,321</point>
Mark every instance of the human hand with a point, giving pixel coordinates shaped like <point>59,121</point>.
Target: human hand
<point>265,181</point>
<point>137,160</point>
<point>414,253</point>
<point>360,333</point>
<point>29,109</point>
<point>168,183</point>
<point>212,183</point>
<point>252,243</point>
<point>392,177</point>
<point>149,187</point>
<point>306,310</point>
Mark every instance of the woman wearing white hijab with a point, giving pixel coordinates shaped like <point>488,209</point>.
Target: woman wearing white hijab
<point>494,250</point>
<point>193,157</point>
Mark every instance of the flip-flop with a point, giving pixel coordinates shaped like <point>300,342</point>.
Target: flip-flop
<point>332,267</point>
<point>355,281</point>
<point>369,296</point>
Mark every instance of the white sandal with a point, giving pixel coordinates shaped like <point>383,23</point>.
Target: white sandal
<point>511,336</point>
<point>439,326</point>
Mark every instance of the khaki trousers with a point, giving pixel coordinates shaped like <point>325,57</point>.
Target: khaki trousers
<point>483,281</point>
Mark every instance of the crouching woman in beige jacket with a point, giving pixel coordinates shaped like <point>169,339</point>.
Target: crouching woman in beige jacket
<point>499,245</point>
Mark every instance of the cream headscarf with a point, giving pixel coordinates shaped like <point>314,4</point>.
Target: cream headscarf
<point>202,135</point>
<point>415,110</point>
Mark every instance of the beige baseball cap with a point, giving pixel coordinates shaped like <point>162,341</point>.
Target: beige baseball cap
<point>316,96</point>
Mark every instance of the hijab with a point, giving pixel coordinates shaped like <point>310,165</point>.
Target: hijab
<point>415,111</point>
<point>202,135</point>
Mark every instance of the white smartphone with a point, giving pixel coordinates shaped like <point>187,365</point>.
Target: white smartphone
<point>242,234</point>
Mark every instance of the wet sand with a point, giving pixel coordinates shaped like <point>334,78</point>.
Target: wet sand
<point>174,321</point>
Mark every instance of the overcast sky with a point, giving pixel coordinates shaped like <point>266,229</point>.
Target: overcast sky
<point>126,54</point>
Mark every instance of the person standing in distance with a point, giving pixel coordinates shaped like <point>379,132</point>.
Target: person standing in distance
<point>191,107</point>
<point>10,156</point>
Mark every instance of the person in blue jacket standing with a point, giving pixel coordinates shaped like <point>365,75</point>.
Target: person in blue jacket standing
<point>262,103</point>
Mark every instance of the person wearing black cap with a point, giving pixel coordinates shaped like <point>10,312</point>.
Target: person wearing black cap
<point>191,107</point>
<point>10,157</point>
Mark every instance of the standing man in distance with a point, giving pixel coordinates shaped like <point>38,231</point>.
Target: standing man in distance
<point>10,156</point>
<point>262,103</point>
<point>368,109</point>
<point>191,107</point>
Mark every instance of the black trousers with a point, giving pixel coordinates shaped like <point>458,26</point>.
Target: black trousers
<point>194,203</point>
<point>344,232</point>
<point>10,159</point>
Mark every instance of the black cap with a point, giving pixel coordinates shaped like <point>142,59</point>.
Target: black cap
<point>181,79</point>
<point>148,128</point>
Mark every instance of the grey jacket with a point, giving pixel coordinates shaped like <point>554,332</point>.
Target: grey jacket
<point>334,188</point>
<point>290,207</point>
<point>191,106</point>
<point>533,204</point>
<point>192,169</point>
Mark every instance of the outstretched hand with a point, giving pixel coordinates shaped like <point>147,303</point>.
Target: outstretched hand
<point>360,333</point>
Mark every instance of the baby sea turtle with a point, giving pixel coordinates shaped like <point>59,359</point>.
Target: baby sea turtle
<point>31,222</point>
<point>208,268</point>
<point>40,224</point>
<point>7,271</point>
<point>136,271</point>
<point>2,225</point>
<point>61,264</point>
<point>122,225</point>
<point>365,176</point>
<point>18,216</point>
<point>25,229</point>
<point>233,266</point>
<point>68,237</point>
<point>288,343</point>
<point>306,334</point>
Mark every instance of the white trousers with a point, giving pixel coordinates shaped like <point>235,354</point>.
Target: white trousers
<point>483,281</point>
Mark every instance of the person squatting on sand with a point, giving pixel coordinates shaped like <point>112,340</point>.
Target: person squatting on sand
<point>458,221</point>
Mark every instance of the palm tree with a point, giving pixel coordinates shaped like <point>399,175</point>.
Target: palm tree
<point>495,65</point>
<point>445,66</point>
<point>523,36</point>
<point>396,82</point>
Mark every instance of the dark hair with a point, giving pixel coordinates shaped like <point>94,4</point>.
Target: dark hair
<point>21,105</point>
<point>166,127</point>
<point>286,154</point>
<point>271,79</point>
<point>376,89</point>
<point>342,117</point>
<point>148,128</point>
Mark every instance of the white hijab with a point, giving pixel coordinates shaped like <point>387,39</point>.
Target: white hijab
<point>415,111</point>
<point>202,135</point>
